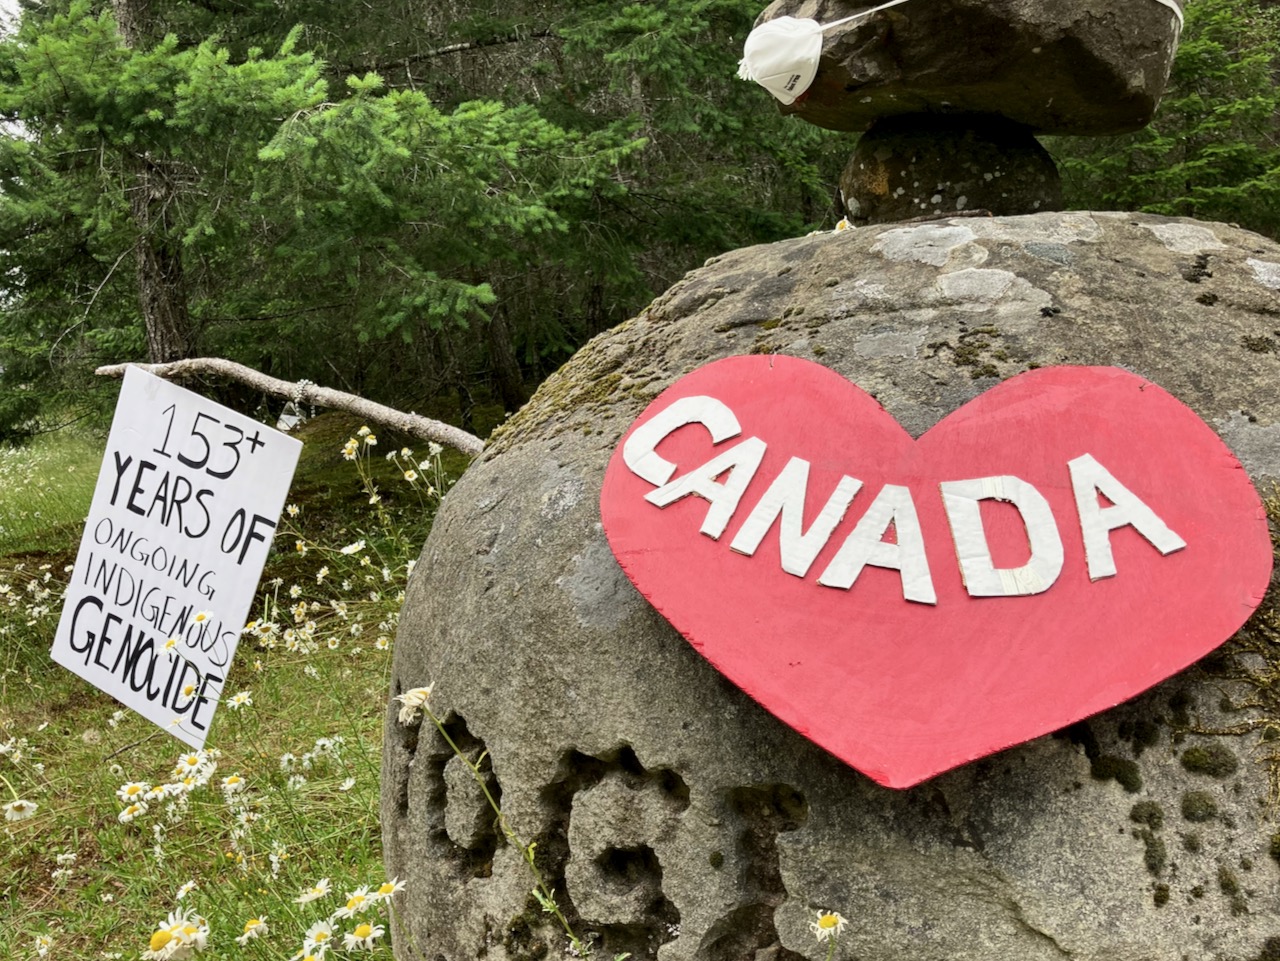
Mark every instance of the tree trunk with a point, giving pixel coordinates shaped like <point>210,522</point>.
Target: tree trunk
<point>161,291</point>
<point>133,17</point>
<point>508,378</point>
<point>162,294</point>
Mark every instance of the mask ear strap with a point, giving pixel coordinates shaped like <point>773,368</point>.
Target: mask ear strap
<point>867,13</point>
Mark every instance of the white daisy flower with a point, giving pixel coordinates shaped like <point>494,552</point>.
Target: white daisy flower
<point>133,791</point>
<point>181,935</point>
<point>362,937</point>
<point>357,901</point>
<point>313,893</point>
<point>318,937</point>
<point>828,925</point>
<point>232,784</point>
<point>135,810</point>
<point>20,810</point>
<point>389,889</point>
<point>412,703</point>
<point>192,761</point>
<point>253,928</point>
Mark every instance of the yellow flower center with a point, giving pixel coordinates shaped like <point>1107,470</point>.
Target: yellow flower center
<point>321,936</point>
<point>233,780</point>
<point>828,921</point>
<point>190,930</point>
<point>364,930</point>
<point>160,939</point>
<point>188,690</point>
<point>387,888</point>
<point>355,902</point>
<point>133,789</point>
<point>251,924</point>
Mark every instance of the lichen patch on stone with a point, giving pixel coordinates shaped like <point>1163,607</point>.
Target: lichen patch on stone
<point>972,284</point>
<point>1257,447</point>
<point>1268,274</point>
<point>1058,228</point>
<point>1186,238</point>
<point>891,343</point>
<point>601,594</point>
<point>559,498</point>
<point>926,244</point>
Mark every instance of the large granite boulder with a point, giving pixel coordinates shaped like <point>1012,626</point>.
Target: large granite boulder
<point>1056,66</point>
<point>675,818</point>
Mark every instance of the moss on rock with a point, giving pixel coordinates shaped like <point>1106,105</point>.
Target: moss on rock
<point>1199,806</point>
<point>1149,813</point>
<point>1215,760</point>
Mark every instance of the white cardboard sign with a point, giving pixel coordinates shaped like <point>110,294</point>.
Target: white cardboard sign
<point>182,518</point>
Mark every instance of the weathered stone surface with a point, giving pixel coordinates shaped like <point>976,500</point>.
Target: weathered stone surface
<point>677,819</point>
<point>1057,66</point>
<point>468,817</point>
<point>906,167</point>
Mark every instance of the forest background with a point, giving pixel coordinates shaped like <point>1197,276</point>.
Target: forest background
<point>433,204</point>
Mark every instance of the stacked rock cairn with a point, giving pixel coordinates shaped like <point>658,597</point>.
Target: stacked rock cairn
<point>949,95</point>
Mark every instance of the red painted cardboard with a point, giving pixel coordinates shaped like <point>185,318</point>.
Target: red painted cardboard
<point>903,689</point>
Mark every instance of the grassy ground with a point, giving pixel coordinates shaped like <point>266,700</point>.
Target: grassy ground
<point>77,880</point>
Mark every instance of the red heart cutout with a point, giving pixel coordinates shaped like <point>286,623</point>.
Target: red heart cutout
<point>904,689</point>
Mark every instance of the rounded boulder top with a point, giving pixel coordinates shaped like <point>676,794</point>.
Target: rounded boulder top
<point>672,815</point>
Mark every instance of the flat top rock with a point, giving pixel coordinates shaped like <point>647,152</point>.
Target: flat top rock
<point>1056,66</point>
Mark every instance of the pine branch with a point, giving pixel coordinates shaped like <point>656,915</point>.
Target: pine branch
<point>305,392</point>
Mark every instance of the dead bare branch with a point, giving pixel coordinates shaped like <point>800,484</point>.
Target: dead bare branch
<point>305,392</point>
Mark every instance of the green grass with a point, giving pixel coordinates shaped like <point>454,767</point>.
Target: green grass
<point>45,489</point>
<point>318,694</point>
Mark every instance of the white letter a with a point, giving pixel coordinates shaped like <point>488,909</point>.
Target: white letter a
<point>1088,480</point>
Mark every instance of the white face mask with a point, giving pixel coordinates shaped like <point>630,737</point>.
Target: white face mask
<point>782,54</point>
